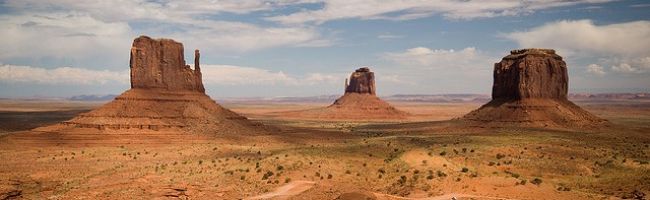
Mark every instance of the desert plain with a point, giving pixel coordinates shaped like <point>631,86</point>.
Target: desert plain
<point>425,156</point>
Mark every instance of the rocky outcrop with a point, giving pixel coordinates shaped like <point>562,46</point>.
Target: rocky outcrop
<point>362,81</point>
<point>165,94</point>
<point>161,64</point>
<point>530,88</point>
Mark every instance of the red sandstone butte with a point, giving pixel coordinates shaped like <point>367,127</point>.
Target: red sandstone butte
<point>359,102</point>
<point>165,94</point>
<point>362,81</point>
<point>530,88</point>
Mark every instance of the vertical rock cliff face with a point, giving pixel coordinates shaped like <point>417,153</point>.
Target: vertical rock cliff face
<point>362,81</point>
<point>530,73</point>
<point>165,94</point>
<point>161,64</point>
<point>530,88</point>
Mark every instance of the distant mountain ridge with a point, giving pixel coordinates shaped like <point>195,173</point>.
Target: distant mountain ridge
<point>107,97</point>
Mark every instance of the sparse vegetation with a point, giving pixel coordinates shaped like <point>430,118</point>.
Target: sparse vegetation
<point>464,170</point>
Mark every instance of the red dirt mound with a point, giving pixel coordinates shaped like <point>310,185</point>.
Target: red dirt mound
<point>165,94</point>
<point>530,88</point>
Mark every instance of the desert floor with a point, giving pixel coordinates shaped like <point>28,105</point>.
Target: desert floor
<point>425,157</point>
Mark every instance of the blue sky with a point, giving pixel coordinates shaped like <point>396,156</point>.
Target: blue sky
<point>308,47</point>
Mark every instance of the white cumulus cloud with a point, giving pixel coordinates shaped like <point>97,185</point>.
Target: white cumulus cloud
<point>583,36</point>
<point>212,75</point>
<point>61,75</point>
<point>624,46</point>
<point>596,69</point>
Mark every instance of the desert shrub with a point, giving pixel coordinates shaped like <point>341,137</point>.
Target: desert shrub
<point>440,174</point>
<point>381,170</point>
<point>515,175</point>
<point>430,176</point>
<point>536,181</point>
<point>280,167</point>
<point>499,156</point>
<point>491,163</point>
<point>347,172</point>
<point>329,176</point>
<point>522,182</point>
<point>416,171</point>
<point>443,153</point>
<point>267,175</point>
<point>242,177</point>
<point>464,170</point>
<point>287,180</point>
<point>402,180</point>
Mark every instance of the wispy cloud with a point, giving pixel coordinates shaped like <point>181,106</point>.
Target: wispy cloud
<point>388,36</point>
<point>640,5</point>
<point>423,57</point>
<point>414,9</point>
<point>240,75</point>
<point>79,31</point>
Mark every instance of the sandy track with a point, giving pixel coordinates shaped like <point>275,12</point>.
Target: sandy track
<point>291,189</point>
<point>441,197</point>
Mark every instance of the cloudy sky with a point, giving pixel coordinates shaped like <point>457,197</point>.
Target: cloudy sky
<point>308,47</point>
